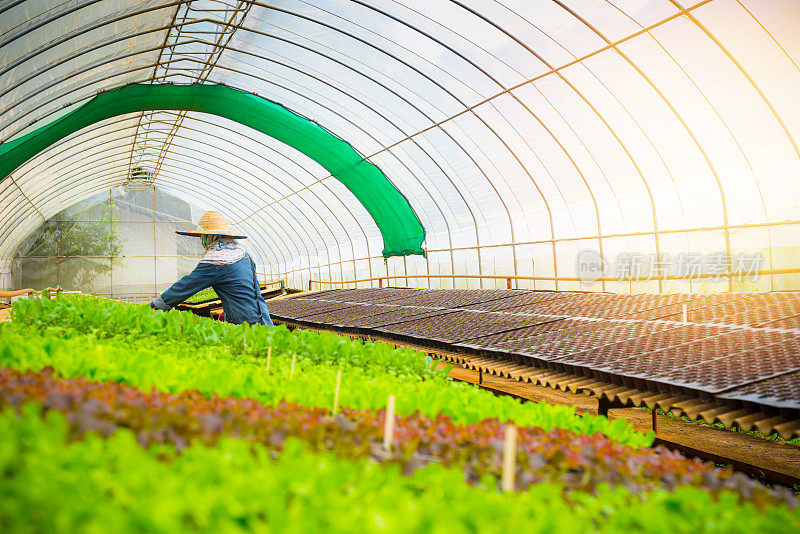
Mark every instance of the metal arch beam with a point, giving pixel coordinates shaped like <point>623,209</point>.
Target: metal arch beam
<point>127,71</point>
<point>747,75</point>
<point>323,203</point>
<point>286,229</point>
<point>382,85</point>
<point>199,41</point>
<point>11,202</point>
<point>536,117</point>
<point>758,185</point>
<point>78,7</point>
<point>644,133</point>
<point>473,113</point>
<point>323,219</point>
<point>121,150</point>
<point>346,94</point>
<point>401,229</point>
<point>717,113</point>
<point>103,161</point>
<point>322,181</point>
<point>477,116</point>
<point>550,72</point>
<point>52,162</point>
<point>140,68</point>
<point>73,55</point>
<point>253,183</point>
<point>237,15</point>
<point>788,56</point>
<point>218,172</point>
<point>10,5</point>
<point>678,116</point>
<point>480,170</point>
<point>21,192</point>
<point>763,97</point>
<point>334,87</point>
<point>597,113</point>
<point>574,89</point>
<point>544,199</point>
<point>221,126</point>
<point>72,74</point>
<point>560,145</point>
<point>456,52</point>
<point>556,71</point>
<point>350,211</point>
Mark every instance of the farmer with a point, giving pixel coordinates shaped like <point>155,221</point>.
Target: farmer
<point>227,268</point>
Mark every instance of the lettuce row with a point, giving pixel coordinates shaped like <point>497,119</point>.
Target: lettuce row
<point>577,461</point>
<point>105,318</point>
<point>175,366</point>
<point>50,484</point>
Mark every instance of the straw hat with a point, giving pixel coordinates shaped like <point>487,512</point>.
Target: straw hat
<point>213,222</point>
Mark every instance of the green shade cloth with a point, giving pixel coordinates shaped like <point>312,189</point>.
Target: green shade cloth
<point>400,227</point>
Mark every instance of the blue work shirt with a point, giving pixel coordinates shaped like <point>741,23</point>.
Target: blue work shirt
<point>235,283</point>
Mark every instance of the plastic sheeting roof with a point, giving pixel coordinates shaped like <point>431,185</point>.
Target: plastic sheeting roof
<point>521,132</point>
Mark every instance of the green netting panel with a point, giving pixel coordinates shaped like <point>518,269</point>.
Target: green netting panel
<point>400,227</point>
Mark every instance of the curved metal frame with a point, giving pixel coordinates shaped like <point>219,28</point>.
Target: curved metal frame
<point>472,109</point>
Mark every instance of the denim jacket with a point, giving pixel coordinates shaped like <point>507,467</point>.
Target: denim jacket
<point>235,283</point>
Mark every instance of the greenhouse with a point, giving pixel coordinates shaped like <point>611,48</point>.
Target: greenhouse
<point>395,265</point>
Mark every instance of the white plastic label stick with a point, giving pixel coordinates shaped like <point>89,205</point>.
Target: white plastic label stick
<point>510,458</point>
<point>388,425</point>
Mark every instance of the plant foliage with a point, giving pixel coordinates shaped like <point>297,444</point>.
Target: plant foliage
<point>577,461</point>
<point>179,351</point>
<point>49,484</point>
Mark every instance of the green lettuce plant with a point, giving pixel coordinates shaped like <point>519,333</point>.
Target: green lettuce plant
<point>49,484</point>
<point>104,340</point>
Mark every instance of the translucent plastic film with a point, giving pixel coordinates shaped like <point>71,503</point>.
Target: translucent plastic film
<point>610,145</point>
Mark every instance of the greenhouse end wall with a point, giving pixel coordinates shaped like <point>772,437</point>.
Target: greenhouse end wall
<point>119,244</point>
